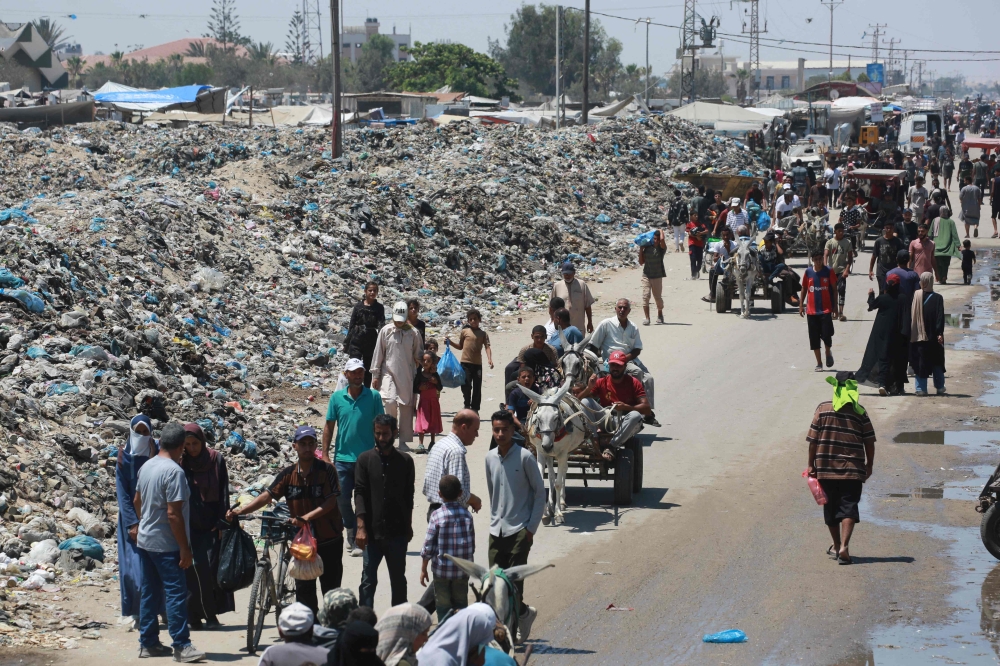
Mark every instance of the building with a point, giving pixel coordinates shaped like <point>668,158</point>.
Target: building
<point>775,76</point>
<point>393,104</point>
<point>353,39</point>
<point>190,49</point>
<point>20,43</point>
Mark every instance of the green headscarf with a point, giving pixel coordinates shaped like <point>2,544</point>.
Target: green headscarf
<point>845,391</point>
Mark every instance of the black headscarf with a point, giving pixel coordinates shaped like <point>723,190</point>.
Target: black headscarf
<point>356,646</point>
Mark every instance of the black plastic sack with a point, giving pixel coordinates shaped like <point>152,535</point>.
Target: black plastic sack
<point>237,559</point>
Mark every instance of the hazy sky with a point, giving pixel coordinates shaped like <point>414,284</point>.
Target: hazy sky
<point>104,25</point>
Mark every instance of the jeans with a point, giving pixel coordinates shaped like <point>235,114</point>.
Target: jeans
<point>449,594</point>
<point>695,253</point>
<point>678,235</point>
<point>393,549</point>
<point>921,382</point>
<point>345,474</point>
<point>472,389</point>
<point>162,577</point>
<point>510,551</point>
<point>841,292</point>
<point>713,278</point>
<point>628,426</point>
<point>332,552</point>
<point>775,272</point>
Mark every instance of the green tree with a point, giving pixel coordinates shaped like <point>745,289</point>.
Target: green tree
<point>295,39</point>
<point>369,73</point>
<point>436,65</point>
<point>224,25</point>
<point>193,73</point>
<point>707,83</point>
<point>262,51</point>
<point>74,66</point>
<point>742,76</point>
<point>863,78</point>
<point>530,50</point>
<point>51,33</point>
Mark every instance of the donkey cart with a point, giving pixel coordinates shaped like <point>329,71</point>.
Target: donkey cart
<point>625,470</point>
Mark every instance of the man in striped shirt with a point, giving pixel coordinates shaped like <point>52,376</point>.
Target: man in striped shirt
<point>841,455</point>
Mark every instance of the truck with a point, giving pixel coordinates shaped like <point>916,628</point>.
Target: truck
<point>916,128</point>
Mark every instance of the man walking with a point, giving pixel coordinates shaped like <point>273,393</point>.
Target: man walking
<point>383,493</point>
<point>841,456</point>
<point>398,353</point>
<point>517,501</point>
<point>839,256</point>
<point>971,199</point>
<point>678,216</point>
<point>916,197</point>
<point>922,252</point>
<point>161,504</point>
<point>577,296</point>
<point>350,413</point>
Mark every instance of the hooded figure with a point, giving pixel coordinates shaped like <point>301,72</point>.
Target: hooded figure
<point>208,479</point>
<point>926,350</point>
<point>399,627</point>
<point>356,646</point>
<point>452,641</point>
<point>884,363</point>
<point>131,457</point>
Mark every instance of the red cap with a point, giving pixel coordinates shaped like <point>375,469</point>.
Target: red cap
<point>617,357</point>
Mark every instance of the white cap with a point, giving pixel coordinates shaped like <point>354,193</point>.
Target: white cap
<point>735,201</point>
<point>354,364</point>
<point>399,311</point>
<point>786,187</point>
<point>295,620</point>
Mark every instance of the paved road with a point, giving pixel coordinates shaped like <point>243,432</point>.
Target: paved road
<point>724,534</point>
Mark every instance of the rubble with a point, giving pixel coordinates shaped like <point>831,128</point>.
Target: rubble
<point>207,274</point>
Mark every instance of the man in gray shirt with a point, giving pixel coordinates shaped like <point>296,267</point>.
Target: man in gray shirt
<point>517,501</point>
<point>161,503</point>
<point>971,199</point>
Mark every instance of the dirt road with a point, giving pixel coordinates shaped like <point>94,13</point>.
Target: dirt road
<point>725,533</point>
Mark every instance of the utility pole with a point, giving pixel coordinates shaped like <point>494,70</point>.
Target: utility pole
<point>558,54</point>
<point>905,64</point>
<point>647,20</point>
<point>337,140</point>
<point>755,32</point>
<point>832,4</point>
<point>689,33</point>
<point>890,65</point>
<point>878,27</point>
<point>586,59</point>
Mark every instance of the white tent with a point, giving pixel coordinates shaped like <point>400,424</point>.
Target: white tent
<point>706,114</point>
<point>852,103</point>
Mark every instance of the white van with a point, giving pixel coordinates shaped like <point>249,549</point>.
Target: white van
<point>916,129</point>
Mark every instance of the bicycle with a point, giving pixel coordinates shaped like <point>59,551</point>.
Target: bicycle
<point>267,591</point>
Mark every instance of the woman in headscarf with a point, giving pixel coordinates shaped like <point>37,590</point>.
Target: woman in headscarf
<point>356,646</point>
<point>131,457</point>
<point>367,319</point>
<point>884,364</point>
<point>946,243</point>
<point>927,336</point>
<point>336,605</point>
<point>208,479</point>
<point>460,640</point>
<point>401,632</point>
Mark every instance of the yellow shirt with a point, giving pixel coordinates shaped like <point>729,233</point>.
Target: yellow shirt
<point>472,341</point>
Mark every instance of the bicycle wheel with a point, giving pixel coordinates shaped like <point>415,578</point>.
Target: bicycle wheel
<point>284,584</point>
<point>260,604</point>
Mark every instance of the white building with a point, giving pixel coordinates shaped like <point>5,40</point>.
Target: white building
<point>353,39</point>
<point>775,76</point>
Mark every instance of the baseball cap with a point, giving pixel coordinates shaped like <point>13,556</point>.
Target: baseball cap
<point>735,201</point>
<point>617,357</point>
<point>304,431</point>
<point>295,620</point>
<point>399,311</point>
<point>786,187</point>
<point>354,364</point>
<point>568,267</point>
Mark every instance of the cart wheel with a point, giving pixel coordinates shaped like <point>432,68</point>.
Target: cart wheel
<point>721,298</point>
<point>777,302</point>
<point>989,529</point>
<point>635,446</point>
<point>623,477</point>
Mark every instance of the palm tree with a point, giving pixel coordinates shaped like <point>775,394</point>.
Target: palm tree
<point>196,50</point>
<point>51,33</point>
<point>742,76</point>
<point>75,67</point>
<point>117,58</point>
<point>262,51</point>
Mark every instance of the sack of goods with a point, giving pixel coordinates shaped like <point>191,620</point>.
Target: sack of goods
<point>304,564</point>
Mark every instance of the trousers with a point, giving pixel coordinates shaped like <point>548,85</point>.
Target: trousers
<point>472,389</point>
<point>637,369</point>
<point>393,550</point>
<point>345,474</point>
<point>511,551</point>
<point>678,235</point>
<point>695,254</point>
<point>404,418</point>
<point>628,426</point>
<point>163,580</point>
<point>331,551</point>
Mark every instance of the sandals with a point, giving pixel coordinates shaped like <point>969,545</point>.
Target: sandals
<point>833,552</point>
<point>844,560</point>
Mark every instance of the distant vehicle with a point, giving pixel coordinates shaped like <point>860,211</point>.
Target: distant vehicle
<point>808,152</point>
<point>917,127</point>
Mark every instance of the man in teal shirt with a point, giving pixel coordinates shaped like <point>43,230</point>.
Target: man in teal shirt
<point>351,413</point>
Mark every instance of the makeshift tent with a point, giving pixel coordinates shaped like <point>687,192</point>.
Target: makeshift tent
<point>200,98</point>
<point>707,114</point>
<point>49,115</point>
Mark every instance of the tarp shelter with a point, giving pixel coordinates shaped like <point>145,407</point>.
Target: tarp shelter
<point>198,98</point>
<point>706,114</point>
<point>278,116</point>
<point>49,115</point>
<point>985,143</point>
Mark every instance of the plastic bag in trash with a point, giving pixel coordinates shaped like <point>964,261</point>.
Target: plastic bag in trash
<point>32,302</point>
<point>237,559</point>
<point>450,370</point>
<point>644,239</point>
<point>209,279</point>
<point>727,636</point>
<point>33,582</point>
<point>61,389</point>
<point>43,552</point>
<point>9,280</point>
<point>90,546</point>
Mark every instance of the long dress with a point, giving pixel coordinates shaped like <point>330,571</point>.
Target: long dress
<point>207,599</point>
<point>129,570</point>
<point>877,365</point>
<point>929,354</point>
<point>362,334</point>
<point>429,408</point>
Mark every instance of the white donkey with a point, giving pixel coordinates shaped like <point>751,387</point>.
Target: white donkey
<point>747,268</point>
<point>495,588</point>
<point>556,428</point>
<point>577,364</point>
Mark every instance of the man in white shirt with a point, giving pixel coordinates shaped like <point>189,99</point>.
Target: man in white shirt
<point>719,251</point>
<point>619,334</point>
<point>737,217</point>
<point>786,203</point>
<point>832,176</point>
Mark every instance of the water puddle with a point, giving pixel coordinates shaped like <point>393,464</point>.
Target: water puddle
<point>963,320</point>
<point>964,438</point>
<point>979,324</point>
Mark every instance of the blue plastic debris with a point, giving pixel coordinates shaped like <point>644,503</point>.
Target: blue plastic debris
<point>33,302</point>
<point>727,636</point>
<point>90,546</point>
<point>9,280</point>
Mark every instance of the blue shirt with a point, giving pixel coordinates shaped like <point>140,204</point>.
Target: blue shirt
<point>355,429</point>
<point>573,336</point>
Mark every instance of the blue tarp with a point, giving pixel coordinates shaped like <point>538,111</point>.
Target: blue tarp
<point>165,96</point>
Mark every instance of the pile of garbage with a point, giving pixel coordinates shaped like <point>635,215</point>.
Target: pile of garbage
<point>207,274</point>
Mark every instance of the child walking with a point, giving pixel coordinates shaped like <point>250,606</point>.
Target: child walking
<point>968,260</point>
<point>471,342</point>
<point>427,385</point>
<point>449,532</point>
<point>818,303</point>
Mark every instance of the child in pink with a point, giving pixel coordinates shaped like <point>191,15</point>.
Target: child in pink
<point>427,384</point>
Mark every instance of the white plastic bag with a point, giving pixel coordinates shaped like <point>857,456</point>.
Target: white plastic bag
<point>43,552</point>
<point>305,569</point>
<point>209,279</point>
<point>91,525</point>
<point>33,582</point>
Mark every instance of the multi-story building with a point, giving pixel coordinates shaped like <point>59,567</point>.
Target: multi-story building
<point>353,39</point>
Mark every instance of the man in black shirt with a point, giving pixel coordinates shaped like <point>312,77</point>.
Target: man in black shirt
<point>383,495</point>
<point>887,247</point>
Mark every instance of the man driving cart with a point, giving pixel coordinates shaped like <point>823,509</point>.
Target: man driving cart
<point>624,395</point>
